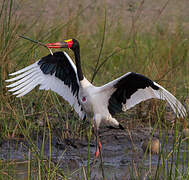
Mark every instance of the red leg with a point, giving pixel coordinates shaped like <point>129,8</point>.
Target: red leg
<point>98,149</point>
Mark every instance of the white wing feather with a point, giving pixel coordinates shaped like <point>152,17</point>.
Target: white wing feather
<point>163,94</point>
<point>31,76</point>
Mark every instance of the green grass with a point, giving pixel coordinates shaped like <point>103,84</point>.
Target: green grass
<point>115,44</point>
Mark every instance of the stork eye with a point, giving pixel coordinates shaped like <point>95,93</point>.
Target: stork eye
<point>84,99</point>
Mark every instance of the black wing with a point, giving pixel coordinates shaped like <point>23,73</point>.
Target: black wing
<point>132,88</point>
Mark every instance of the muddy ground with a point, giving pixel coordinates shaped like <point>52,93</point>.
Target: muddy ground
<point>122,154</point>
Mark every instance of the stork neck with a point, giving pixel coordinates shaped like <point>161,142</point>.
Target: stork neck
<point>78,64</point>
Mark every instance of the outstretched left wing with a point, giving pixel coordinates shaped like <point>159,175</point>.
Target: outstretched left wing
<point>55,72</point>
<point>132,88</point>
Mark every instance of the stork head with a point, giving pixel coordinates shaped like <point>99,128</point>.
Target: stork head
<point>69,43</point>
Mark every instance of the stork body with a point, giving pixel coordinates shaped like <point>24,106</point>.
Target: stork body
<point>58,73</point>
<point>94,101</point>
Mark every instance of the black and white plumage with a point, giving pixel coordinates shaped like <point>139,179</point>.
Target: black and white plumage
<point>58,73</point>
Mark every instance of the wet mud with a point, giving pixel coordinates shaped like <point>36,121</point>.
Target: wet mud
<point>122,153</point>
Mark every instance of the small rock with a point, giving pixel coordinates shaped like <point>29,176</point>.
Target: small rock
<point>154,144</point>
<point>186,132</point>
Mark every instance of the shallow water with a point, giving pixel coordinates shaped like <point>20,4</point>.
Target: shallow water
<point>122,156</point>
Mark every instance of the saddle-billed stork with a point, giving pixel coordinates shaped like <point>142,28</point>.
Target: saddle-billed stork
<point>58,73</point>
